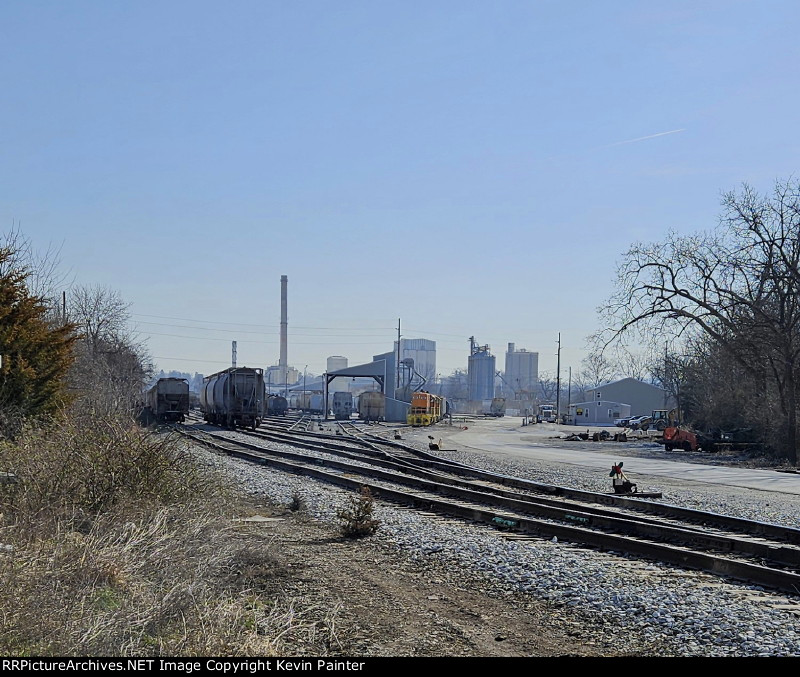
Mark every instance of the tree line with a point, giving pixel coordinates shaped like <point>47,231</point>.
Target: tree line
<point>726,304</point>
<point>59,349</point>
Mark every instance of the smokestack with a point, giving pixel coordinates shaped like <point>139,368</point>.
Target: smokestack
<point>284,329</point>
<point>233,354</point>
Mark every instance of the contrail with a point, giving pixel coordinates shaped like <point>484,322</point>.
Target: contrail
<point>643,138</point>
<point>618,143</point>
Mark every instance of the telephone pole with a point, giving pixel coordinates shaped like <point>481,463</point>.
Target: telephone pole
<point>558,381</point>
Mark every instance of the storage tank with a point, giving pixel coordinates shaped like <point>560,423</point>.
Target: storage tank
<point>338,385</point>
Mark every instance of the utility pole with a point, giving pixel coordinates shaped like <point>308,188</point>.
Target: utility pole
<point>558,381</point>
<point>397,360</point>
<point>569,391</point>
<point>233,354</point>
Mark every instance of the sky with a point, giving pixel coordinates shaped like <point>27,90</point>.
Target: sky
<point>471,168</point>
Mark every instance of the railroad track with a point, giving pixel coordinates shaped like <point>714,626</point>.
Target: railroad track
<point>757,552</point>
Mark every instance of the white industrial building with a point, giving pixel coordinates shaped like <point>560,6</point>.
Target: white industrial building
<point>521,373</point>
<point>335,363</point>
<point>423,352</point>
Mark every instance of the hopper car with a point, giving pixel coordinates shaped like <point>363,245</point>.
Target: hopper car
<point>310,403</point>
<point>168,400</point>
<point>277,405</point>
<point>342,406</point>
<point>372,406</point>
<point>234,397</point>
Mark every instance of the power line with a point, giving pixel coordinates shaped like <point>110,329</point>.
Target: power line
<point>246,324</point>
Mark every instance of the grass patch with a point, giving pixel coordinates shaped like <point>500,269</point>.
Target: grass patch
<point>123,545</point>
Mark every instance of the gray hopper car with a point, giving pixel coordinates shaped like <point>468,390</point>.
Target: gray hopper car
<point>310,403</point>
<point>234,397</point>
<point>342,406</point>
<point>372,406</point>
<point>168,399</point>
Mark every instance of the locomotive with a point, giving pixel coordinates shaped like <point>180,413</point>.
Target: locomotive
<point>234,397</point>
<point>426,409</point>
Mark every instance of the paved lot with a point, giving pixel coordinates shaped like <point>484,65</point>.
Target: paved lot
<point>506,436</point>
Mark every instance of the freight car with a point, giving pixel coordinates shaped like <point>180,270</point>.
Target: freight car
<point>342,406</point>
<point>234,397</point>
<point>311,403</point>
<point>168,400</point>
<point>372,406</point>
<point>277,405</point>
<point>426,409</point>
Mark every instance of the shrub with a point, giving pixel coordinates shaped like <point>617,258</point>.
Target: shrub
<point>356,518</point>
<point>298,503</point>
<point>72,471</point>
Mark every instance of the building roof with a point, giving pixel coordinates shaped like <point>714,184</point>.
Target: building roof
<point>377,368</point>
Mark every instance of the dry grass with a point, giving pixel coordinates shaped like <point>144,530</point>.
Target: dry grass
<point>122,546</point>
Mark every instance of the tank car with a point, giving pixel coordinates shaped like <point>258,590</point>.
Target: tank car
<point>277,405</point>
<point>234,397</point>
<point>342,406</point>
<point>168,399</point>
<point>372,406</point>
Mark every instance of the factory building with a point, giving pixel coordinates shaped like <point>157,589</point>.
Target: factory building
<point>522,373</point>
<point>642,397</point>
<point>423,352</point>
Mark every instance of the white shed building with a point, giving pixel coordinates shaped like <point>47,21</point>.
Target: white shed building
<point>598,412</point>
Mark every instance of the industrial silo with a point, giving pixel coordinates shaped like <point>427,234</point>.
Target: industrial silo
<point>481,371</point>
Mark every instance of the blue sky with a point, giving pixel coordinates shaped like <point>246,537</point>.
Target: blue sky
<point>473,168</point>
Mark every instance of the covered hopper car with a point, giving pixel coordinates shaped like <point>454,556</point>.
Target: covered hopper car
<point>277,405</point>
<point>234,397</point>
<point>310,403</point>
<point>372,406</point>
<point>168,400</point>
<point>342,406</point>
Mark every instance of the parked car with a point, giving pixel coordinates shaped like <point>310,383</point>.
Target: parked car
<point>640,422</point>
<point>622,422</point>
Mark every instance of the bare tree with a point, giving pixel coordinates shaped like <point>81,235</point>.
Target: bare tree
<point>112,366</point>
<point>596,371</point>
<point>43,275</point>
<point>738,286</point>
<point>101,314</point>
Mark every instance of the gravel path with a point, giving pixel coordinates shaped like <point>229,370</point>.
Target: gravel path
<point>647,608</point>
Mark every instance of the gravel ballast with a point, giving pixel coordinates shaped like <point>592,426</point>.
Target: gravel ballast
<point>648,608</point>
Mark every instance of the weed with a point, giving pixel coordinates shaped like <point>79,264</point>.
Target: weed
<point>356,518</point>
<point>298,503</point>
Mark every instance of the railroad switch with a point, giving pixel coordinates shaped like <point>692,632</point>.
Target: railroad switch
<point>620,481</point>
